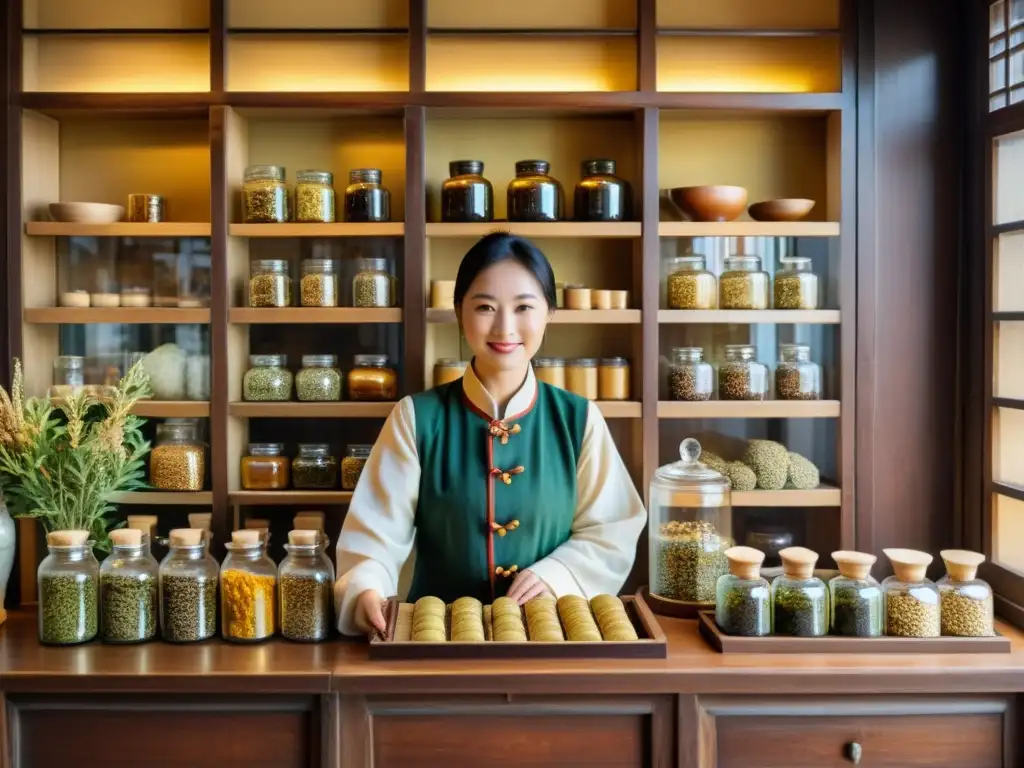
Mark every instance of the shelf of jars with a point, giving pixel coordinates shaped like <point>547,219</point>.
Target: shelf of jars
<point>751,316</point>
<point>768,409</point>
<point>118,229</point>
<point>164,498</point>
<point>324,410</point>
<point>748,229</point>
<point>272,498</point>
<point>553,229</point>
<point>562,316</point>
<point>333,229</point>
<point>313,315</point>
<point>127,315</point>
<point>171,409</point>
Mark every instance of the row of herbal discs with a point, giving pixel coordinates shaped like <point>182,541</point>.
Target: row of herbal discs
<point>853,604</point>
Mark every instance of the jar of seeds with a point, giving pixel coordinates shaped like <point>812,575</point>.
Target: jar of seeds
<point>796,287</point>
<point>314,469</point>
<point>911,598</point>
<point>188,588</point>
<point>319,284</point>
<point>68,579</point>
<point>743,285</point>
<point>966,600</point>
<point>690,285</point>
<point>264,195</point>
<point>314,197</point>
<point>128,589</point>
<point>365,197</point>
<point>855,598</point>
<point>319,379</point>
<point>372,378</point>
<point>690,379</point>
<point>743,596</point>
<point>306,588</point>
<point>352,465</point>
<point>799,598</point>
<point>177,461</point>
<point>741,377</point>
<point>265,468</point>
<point>796,377</point>
<point>270,285</point>
<point>248,589</point>
<point>373,285</point>
<point>267,379</point>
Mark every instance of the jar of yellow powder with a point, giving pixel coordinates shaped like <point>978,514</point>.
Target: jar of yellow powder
<point>248,588</point>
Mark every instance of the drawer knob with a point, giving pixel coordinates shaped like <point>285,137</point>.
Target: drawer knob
<point>854,752</point>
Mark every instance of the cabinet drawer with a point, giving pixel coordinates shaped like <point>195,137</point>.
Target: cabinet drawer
<point>901,741</point>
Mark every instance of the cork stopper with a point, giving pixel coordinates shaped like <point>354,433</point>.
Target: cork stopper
<point>908,564</point>
<point>313,521</point>
<point>962,564</point>
<point>745,562</point>
<point>127,537</point>
<point>303,538</point>
<point>67,538</point>
<point>798,562</point>
<point>200,520</point>
<point>186,537</point>
<point>248,538</point>
<point>854,565</point>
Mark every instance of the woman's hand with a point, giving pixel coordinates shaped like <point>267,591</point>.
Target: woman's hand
<point>527,586</point>
<point>369,614</point>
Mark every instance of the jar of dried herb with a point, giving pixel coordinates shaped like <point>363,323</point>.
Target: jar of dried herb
<point>267,380</point>
<point>270,285</point>
<point>743,284</point>
<point>248,589</point>
<point>799,598</point>
<point>265,468</point>
<point>373,285</point>
<point>796,376</point>
<point>264,195</point>
<point>466,195</point>
<point>741,376</point>
<point>600,195</point>
<point>690,379</point>
<point>966,600</point>
<point>855,598</point>
<point>128,589</point>
<point>319,284</point>
<point>366,199</point>
<point>315,468</point>
<point>911,598</point>
<point>306,588</point>
<point>690,284</point>
<point>796,286</point>
<point>188,588</point>
<point>68,583</point>
<point>372,378</point>
<point>533,195</point>
<point>178,460</point>
<point>743,596</point>
<point>319,379</point>
<point>314,197</point>
<point>352,465</point>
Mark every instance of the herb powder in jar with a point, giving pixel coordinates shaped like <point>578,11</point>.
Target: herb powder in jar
<point>189,607</point>
<point>129,607</point>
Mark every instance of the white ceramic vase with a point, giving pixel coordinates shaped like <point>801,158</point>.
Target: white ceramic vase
<point>7,535</point>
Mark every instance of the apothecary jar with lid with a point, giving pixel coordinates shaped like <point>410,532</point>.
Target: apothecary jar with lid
<point>691,527</point>
<point>306,588</point>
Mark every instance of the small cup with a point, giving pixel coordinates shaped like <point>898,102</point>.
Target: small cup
<point>578,297</point>
<point>442,294</point>
<point>620,299</point>
<point>148,209</point>
<point>602,298</point>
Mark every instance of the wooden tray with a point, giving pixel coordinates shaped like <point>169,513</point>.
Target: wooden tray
<point>828,644</point>
<point>651,644</point>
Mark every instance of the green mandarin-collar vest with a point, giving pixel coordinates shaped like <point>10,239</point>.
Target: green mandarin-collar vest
<point>495,496</point>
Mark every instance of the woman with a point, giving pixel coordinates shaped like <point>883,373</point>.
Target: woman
<point>507,485</point>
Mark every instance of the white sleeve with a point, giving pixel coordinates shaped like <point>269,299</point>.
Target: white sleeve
<point>379,529</point>
<point>610,516</point>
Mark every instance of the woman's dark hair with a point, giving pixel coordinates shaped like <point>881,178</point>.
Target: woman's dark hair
<point>497,247</point>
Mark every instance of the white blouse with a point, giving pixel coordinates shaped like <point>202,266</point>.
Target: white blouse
<point>378,535</point>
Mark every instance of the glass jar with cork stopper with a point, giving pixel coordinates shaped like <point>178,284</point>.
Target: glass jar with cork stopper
<point>911,598</point>
<point>799,598</point>
<point>306,588</point>
<point>128,589</point>
<point>743,596</point>
<point>248,589</point>
<point>966,601</point>
<point>188,578</point>
<point>68,584</point>
<point>855,598</point>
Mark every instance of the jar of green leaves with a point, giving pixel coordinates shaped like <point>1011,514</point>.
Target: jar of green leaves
<point>128,589</point>
<point>68,580</point>
<point>799,598</point>
<point>743,597</point>
<point>855,597</point>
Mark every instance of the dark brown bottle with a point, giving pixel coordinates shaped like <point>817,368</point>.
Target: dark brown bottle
<point>365,198</point>
<point>467,195</point>
<point>533,195</point>
<point>600,194</point>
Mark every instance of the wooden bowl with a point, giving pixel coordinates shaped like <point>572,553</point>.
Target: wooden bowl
<point>785,209</point>
<point>86,213</point>
<point>710,203</point>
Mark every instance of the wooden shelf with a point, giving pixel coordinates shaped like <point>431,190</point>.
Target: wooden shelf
<point>616,409</point>
<point>313,315</point>
<point>1008,402</point>
<point>338,229</point>
<point>171,409</point>
<point>118,229</point>
<point>290,498</point>
<point>165,498</point>
<point>750,316</point>
<point>345,410</point>
<point>130,315</point>
<point>769,409</point>
<point>748,229</point>
<point>562,316</point>
<point>1012,490</point>
<point>539,230</point>
<point>822,496</point>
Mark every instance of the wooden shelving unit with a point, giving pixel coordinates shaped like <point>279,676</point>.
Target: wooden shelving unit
<point>749,229</point>
<point>289,498</point>
<point>313,315</point>
<point>750,316</point>
<point>562,316</point>
<point>166,409</point>
<point>165,498</point>
<point>312,410</point>
<point>128,315</point>
<point>120,229</point>
<point>822,496</point>
<point>768,409</point>
<point>559,229</point>
<point>339,229</point>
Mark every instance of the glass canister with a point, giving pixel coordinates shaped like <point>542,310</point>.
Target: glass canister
<point>352,465</point>
<point>267,379</point>
<point>188,588</point>
<point>796,377</point>
<point>855,598</point>
<point>447,370</point>
<point>319,379</point>
<point>306,588</point>
<point>601,195</point>
<point>248,589</point>
<point>743,596</point>
<point>264,195</point>
<point>796,286</point>
<point>533,195</point>
<point>690,285</point>
<point>741,377</point>
<point>315,469</point>
<point>319,284</point>
<point>366,199</point>
<point>270,285</point>
<point>691,524</point>
<point>911,598</point>
<point>581,377</point>
<point>68,583</point>
<point>550,370</point>
<point>177,461</point>
<point>466,195</point>
<point>69,373</point>
<point>265,468</point>
<point>314,197</point>
<point>128,589</point>
<point>966,601</point>
<point>743,284</point>
<point>799,598</point>
<point>372,378</point>
<point>690,379</point>
<point>613,378</point>
<point>373,285</point>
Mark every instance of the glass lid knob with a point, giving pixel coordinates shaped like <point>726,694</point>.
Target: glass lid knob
<point>689,451</point>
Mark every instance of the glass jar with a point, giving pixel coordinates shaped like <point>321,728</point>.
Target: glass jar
<point>743,285</point>
<point>306,588</point>
<point>267,379</point>
<point>319,284</point>
<point>466,195</point>
<point>581,377</point>
<point>365,198</point>
<point>447,370</point>
<point>613,379</point>
<point>796,377</point>
<point>600,195</point>
<point>319,379</point>
<point>352,465</point>
<point>128,592</point>
<point>966,601</point>
<point>314,468</point>
<point>188,588</point>
<point>550,370</point>
<point>177,461</point>
<point>197,377</point>
<point>372,379</point>
<point>741,377</point>
<point>912,601</point>
<point>265,468</point>
<point>264,195</point>
<point>796,287</point>
<point>270,285</point>
<point>68,579</point>
<point>743,596</point>
<point>855,599</point>
<point>691,517</point>
<point>690,379</point>
<point>690,284</point>
<point>248,590</point>
<point>68,375</point>
<point>533,195</point>
<point>799,598</point>
<point>314,197</point>
<point>373,285</point>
